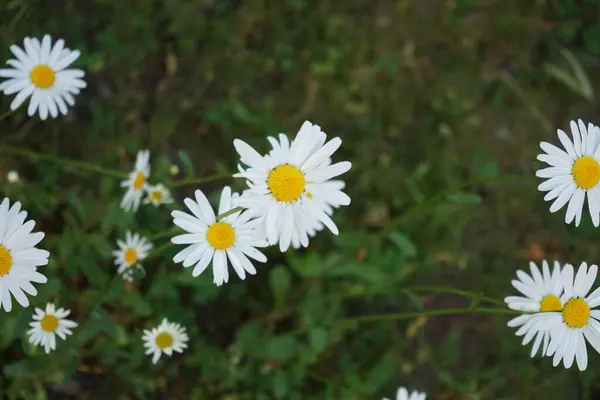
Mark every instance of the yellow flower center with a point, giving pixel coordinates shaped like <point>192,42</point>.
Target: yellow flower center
<point>550,303</point>
<point>164,340</point>
<point>139,181</point>
<point>586,172</point>
<point>42,76</point>
<point>220,235</point>
<point>576,313</point>
<point>5,261</point>
<point>130,256</point>
<point>286,183</point>
<point>156,195</point>
<point>49,323</point>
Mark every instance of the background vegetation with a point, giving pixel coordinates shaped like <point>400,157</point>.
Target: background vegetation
<point>426,95</point>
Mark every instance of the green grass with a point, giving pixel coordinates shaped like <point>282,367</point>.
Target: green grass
<point>426,95</point>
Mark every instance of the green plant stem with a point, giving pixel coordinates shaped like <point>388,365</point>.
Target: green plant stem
<point>195,181</point>
<point>63,161</point>
<point>6,114</point>
<point>228,213</point>
<point>428,313</point>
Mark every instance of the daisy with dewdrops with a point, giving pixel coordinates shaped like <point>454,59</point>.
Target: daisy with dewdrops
<point>165,338</point>
<point>541,292</point>
<point>287,186</point>
<point>403,394</point>
<point>136,184</point>
<point>234,238</point>
<point>49,323</point>
<point>574,172</point>
<point>40,71</point>
<point>131,251</point>
<point>19,258</point>
<point>157,195</point>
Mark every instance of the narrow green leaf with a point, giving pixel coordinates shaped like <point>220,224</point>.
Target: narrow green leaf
<point>280,282</point>
<point>406,246</point>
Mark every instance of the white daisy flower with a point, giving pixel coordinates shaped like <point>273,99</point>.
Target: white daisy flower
<point>47,325</point>
<point>19,258</point>
<point>157,195</point>
<point>40,72</point>
<point>577,322</point>
<point>12,176</point>
<point>542,292</point>
<point>131,251</point>
<point>137,183</point>
<point>573,172</point>
<point>165,338</point>
<point>284,186</point>
<point>403,394</point>
<point>234,237</point>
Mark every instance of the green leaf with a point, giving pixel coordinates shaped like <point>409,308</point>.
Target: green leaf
<point>405,245</point>
<point>280,282</point>
<point>137,303</point>
<point>318,339</point>
<point>94,274</point>
<point>465,198</point>
<point>188,166</point>
<point>282,348</point>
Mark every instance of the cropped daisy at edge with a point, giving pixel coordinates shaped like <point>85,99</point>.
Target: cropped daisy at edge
<point>40,71</point>
<point>165,339</point>
<point>136,184</point>
<point>403,394</point>
<point>49,323</point>
<point>574,172</point>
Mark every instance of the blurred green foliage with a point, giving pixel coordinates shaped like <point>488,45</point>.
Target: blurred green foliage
<point>424,94</point>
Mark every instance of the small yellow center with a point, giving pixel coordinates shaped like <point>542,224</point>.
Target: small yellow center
<point>550,303</point>
<point>576,313</point>
<point>156,195</point>
<point>5,261</point>
<point>49,323</point>
<point>586,172</point>
<point>286,183</point>
<point>139,181</point>
<point>130,256</point>
<point>164,340</point>
<point>220,235</point>
<point>42,76</point>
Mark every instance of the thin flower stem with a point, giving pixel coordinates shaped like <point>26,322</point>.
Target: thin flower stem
<point>228,213</point>
<point>63,161</point>
<point>195,181</point>
<point>428,313</point>
<point>6,114</point>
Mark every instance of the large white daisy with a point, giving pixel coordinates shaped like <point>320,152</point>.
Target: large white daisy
<point>19,258</point>
<point>541,292</point>
<point>40,72</point>
<point>573,173</point>
<point>137,183</point>
<point>48,324</point>
<point>131,251</point>
<point>165,339</point>
<point>403,394</point>
<point>234,237</point>
<point>577,322</point>
<point>285,185</point>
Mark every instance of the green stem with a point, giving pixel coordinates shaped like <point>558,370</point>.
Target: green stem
<point>195,181</point>
<point>63,161</point>
<point>6,114</point>
<point>228,213</point>
<point>428,313</point>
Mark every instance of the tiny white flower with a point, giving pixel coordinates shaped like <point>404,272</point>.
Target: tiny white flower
<point>234,237</point>
<point>541,292</point>
<point>40,71</point>
<point>165,338</point>
<point>157,195</point>
<point>19,258</point>
<point>12,176</point>
<point>289,185</point>
<point>173,169</point>
<point>403,394</point>
<point>47,325</point>
<point>137,183</point>
<point>574,172</point>
<point>131,251</point>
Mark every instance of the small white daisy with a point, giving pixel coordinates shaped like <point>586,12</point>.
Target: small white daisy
<point>131,251</point>
<point>286,185</point>
<point>40,72</point>
<point>403,394</point>
<point>157,195</point>
<point>137,183</point>
<point>542,292</point>
<point>19,258</point>
<point>12,176</point>
<point>573,172</point>
<point>577,322</point>
<point>234,237</point>
<point>48,324</point>
<point>165,338</point>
